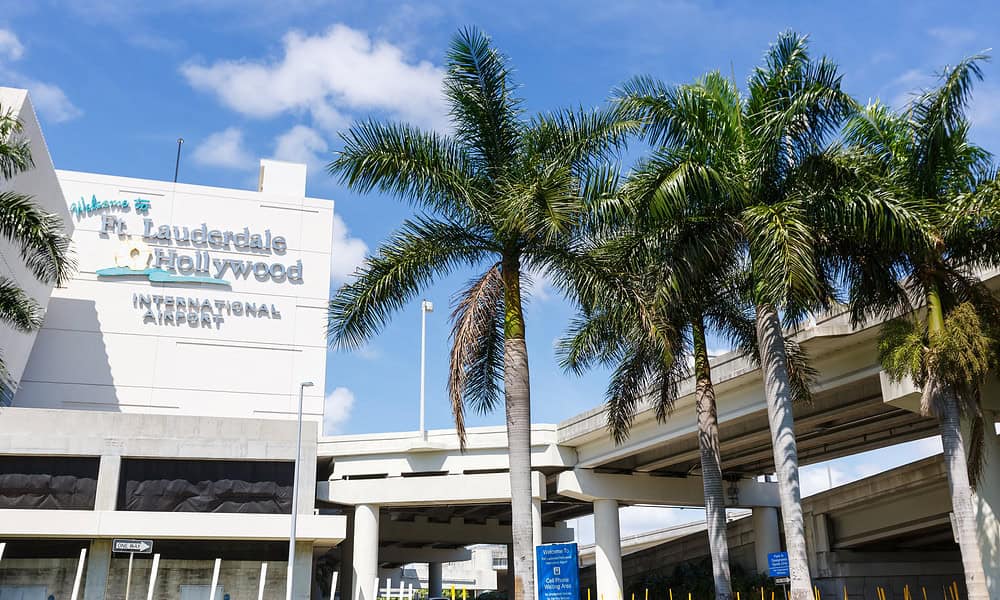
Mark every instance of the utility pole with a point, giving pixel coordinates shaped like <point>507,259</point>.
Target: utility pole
<point>425,307</point>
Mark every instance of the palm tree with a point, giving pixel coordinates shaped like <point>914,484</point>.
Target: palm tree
<point>764,170</point>
<point>502,193</point>
<point>40,236</point>
<point>924,157</point>
<point>648,294</point>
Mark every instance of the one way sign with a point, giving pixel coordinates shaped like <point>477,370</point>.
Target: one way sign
<point>132,546</point>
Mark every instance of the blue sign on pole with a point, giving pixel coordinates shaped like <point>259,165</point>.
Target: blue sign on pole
<point>557,571</point>
<point>777,564</point>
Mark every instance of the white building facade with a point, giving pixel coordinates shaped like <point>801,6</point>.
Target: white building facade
<point>159,399</point>
<point>189,300</point>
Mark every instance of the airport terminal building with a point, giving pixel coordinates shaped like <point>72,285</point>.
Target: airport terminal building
<point>158,402</point>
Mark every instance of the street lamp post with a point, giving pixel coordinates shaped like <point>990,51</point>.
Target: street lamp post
<point>425,307</point>
<point>295,493</point>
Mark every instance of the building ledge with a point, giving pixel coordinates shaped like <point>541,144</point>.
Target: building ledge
<point>34,523</point>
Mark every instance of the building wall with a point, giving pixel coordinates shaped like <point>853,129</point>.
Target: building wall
<point>124,344</point>
<point>41,183</point>
<point>238,579</point>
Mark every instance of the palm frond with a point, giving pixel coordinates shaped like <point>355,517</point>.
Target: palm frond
<point>964,354</point>
<point>484,109</point>
<point>44,245</point>
<point>477,348</point>
<point>15,149</point>
<point>17,308</point>
<point>420,251</point>
<point>782,251</point>
<point>940,111</point>
<point>579,137</point>
<point>590,339</point>
<point>902,350</point>
<point>427,169</point>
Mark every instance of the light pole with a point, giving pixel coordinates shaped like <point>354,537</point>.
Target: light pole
<point>425,307</point>
<point>295,493</point>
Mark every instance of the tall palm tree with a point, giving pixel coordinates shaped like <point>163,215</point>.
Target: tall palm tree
<point>645,310</point>
<point>651,288</point>
<point>766,172</point>
<point>500,192</point>
<point>39,235</point>
<point>924,157</point>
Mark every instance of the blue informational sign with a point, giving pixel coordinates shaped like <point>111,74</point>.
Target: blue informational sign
<point>777,564</point>
<point>557,571</point>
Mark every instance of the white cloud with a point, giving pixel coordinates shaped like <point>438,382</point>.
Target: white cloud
<point>224,149</point>
<point>348,252</point>
<point>10,47</point>
<point>906,86</point>
<point>328,75</point>
<point>538,285</point>
<point>368,352</point>
<point>952,35</point>
<point>301,144</point>
<point>985,109</point>
<point>337,409</point>
<point>48,98</point>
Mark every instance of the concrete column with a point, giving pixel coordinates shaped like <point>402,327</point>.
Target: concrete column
<point>607,550</point>
<point>307,470</point>
<point>536,523</point>
<point>302,574</point>
<point>766,534</point>
<point>108,475</point>
<point>510,571</point>
<point>365,551</point>
<point>435,579</point>
<point>344,578</point>
<point>98,564</point>
<point>986,505</point>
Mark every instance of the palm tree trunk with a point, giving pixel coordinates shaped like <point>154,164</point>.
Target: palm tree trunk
<point>711,464</point>
<point>517,394</point>
<point>777,394</point>
<point>952,441</point>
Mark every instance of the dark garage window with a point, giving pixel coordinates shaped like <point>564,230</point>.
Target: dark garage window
<point>48,482</point>
<point>206,486</point>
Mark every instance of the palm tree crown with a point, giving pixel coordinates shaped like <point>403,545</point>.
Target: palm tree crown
<point>924,157</point>
<point>755,170</point>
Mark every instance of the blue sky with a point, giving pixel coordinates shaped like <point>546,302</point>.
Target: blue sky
<point>116,82</point>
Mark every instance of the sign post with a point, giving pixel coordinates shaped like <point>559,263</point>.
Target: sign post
<point>777,567</point>
<point>557,570</point>
<point>131,547</point>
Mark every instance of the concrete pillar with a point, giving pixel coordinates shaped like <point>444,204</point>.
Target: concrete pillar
<point>307,470</point>
<point>365,551</point>
<point>435,579</point>
<point>98,564</point>
<point>607,549</point>
<point>344,578</point>
<point>302,573</point>
<point>536,523</point>
<point>108,475</point>
<point>986,506</point>
<point>766,534</point>
<point>510,571</point>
